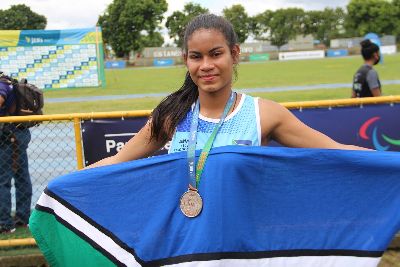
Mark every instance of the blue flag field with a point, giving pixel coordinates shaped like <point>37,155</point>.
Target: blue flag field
<point>262,206</point>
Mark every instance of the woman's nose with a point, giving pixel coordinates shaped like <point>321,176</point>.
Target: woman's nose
<point>207,64</point>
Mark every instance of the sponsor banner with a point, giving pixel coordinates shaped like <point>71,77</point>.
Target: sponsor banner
<point>388,49</point>
<point>301,55</point>
<point>371,126</point>
<point>50,37</point>
<point>163,62</point>
<point>259,57</point>
<point>104,138</point>
<point>116,64</point>
<point>54,59</point>
<point>337,52</point>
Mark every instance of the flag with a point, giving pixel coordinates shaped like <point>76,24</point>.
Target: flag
<point>261,207</point>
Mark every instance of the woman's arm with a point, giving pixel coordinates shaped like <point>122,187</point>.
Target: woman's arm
<point>280,124</point>
<point>139,146</point>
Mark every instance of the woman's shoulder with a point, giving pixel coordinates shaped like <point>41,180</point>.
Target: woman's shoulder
<point>271,111</point>
<point>269,104</point>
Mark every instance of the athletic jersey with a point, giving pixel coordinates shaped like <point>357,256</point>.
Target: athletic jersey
<point>365,79</point>
<point>241,127</point>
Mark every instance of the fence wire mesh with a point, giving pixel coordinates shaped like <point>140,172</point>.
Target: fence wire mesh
<point>29,159</point>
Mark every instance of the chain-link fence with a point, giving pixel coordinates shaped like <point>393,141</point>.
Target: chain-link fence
<point>29,158</point>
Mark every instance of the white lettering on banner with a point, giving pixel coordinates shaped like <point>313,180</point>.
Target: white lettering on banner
<point>112,144</point>
<point>388,49</point>
<point>301,55</point>
<point>173,53</point>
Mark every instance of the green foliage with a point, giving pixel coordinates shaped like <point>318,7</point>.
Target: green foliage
<point>324,25</point>
<point>21,17</point>
<point>237,15</point>
<point>128,25</point>
<point>177,22</point>
<point>279,26</point>
<point>259,25</point>
<point>154,39</point>
<point>396,19</point>
<point>364,16</point>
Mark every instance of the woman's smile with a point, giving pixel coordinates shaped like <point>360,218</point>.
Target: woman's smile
<point>208,77</point>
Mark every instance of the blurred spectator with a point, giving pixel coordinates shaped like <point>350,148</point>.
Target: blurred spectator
<point>14,141</point>
<point>366,81</point>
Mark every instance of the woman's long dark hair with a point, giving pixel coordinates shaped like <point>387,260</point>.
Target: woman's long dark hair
<point>172,109</point>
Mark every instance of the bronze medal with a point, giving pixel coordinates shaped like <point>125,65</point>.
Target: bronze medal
<point>191,203</point>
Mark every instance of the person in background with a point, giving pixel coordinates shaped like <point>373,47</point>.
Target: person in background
<point>14,140</point>
<point>366,81</point>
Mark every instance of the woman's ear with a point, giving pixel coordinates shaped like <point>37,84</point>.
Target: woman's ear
<point>235,53</point>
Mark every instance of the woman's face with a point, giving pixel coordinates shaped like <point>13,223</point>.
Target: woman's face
<point>210,60</point>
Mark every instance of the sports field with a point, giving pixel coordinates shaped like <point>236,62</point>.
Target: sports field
<point>250,75</point>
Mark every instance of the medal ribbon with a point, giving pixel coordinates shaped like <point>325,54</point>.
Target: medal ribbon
<point>196,175</point>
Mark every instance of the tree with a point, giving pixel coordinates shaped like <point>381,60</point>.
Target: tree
<point>154,39</point>
<point>396,11</point>
<point>21,17</point>
<point>177,22</point>
<point>324,25</point>
<point>259,25</point>
<point>279,26</point>
<point>366,16</point>
<point>128,25</point>
<point>237,15</point>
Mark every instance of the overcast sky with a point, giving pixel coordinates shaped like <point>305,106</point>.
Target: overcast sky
<point>68,14</point>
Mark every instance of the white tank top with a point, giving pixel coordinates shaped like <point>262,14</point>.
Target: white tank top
<point>241,127</point>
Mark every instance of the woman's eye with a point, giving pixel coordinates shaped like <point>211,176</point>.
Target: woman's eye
<point>216,54</point>
<point>194,57</point>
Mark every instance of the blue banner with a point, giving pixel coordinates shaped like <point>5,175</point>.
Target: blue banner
<point>163,62</point>
<point>104,138</point>
<point>56,37</point>
<point>116,64</point>
<point>337,53</point>
<point>371,126</point>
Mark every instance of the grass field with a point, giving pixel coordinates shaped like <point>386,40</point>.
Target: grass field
<point>250,75</point>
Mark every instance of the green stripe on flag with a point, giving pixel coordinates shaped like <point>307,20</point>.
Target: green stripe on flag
<point>61,246</point>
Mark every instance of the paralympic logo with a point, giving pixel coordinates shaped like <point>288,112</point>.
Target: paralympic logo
<point>378,146</point>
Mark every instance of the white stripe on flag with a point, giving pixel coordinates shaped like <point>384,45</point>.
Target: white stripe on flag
<point>302,261</point>
<point>87,229</point>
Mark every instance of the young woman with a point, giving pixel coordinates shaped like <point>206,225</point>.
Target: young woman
<point>211,54</point>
